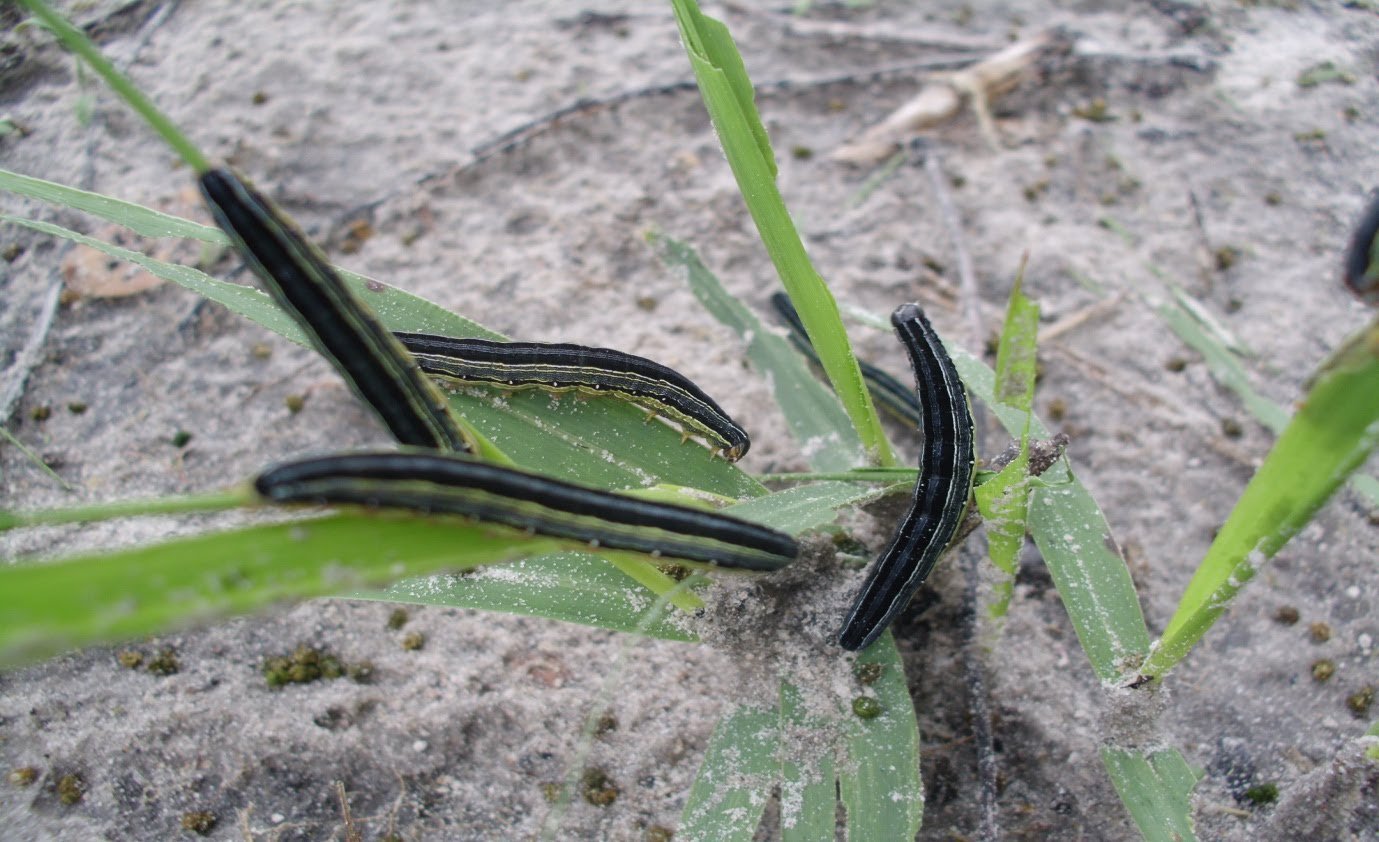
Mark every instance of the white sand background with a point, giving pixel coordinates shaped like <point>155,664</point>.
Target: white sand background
<point>336,106</point>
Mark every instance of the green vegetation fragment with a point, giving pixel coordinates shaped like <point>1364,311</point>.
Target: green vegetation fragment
<point>305,665</point>
<point>200,822</point>
<point>1360,701</point>
<point>1090,573</point>
<point>1331,435</point>
<point>865,707</point>
<point>1004,499</point>
<point>1326,71</point>
<point>70,789</point>
<point>1261,794</point>
<point>597,788</point>
<point>164,663</point>
<point>1156,787</point>
<point>728,94</point>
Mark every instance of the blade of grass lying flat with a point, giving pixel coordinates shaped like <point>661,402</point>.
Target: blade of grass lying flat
<point>808,783</point>
<point>728,96</point>
<point>246,301</point>
<point>879,782</point>
<point>603,442</point>
<point>1157,789</point>
<point>216,501</point>
<point>1209,324</point>
<point>1091,577</point>
<point>1330,436</point>
<point>807,507</point>
<point>574,587</point>
<point>48,606</point>
<point>597,441</point>
<point>816,419</point>
<point>34,459</point>
<point>1224,364</point>
<point>734,782</point>
<point>143,221</point>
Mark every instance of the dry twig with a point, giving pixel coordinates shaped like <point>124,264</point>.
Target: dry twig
<point>942,98</point>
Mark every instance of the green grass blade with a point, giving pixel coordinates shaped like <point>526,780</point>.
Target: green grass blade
<point>1156,788</point>
<point>1224,364</point>
<point>1004,501</point>
<point>636,567</point>
<point>727,94</point>
<point>808,782</point>
<point>34,459</point>
<point>816,418</point>
<point>980,381</point>
<point>216,501</point>
<point>49,606</point>
<point>1016,361</point>
<point>1091,577</point>
<point>574,587</point>
<point>246,301</point>
<point>1329,437</point>
<point>734,782</point>
<point>708,40</point>
<point>143,221</point>
<point>1004,504</point>
<point>879,782</point>
<point>805,507</point>
<point>1217,332</point>
<point>77,42</point>
<point>603,442</point>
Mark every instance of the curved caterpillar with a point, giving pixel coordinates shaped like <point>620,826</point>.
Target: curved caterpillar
<point>941,490</point>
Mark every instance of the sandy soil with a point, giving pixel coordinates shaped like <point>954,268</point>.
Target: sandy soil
<point>1222,174</point>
